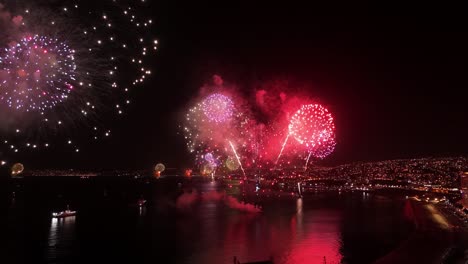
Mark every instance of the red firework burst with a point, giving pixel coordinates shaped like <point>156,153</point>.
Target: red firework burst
<point>313,126</point>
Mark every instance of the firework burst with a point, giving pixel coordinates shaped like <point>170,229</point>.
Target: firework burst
<point>313,127</point>
<point>218,108</point>
<point>227,133</point>
<point>60,70</point>
<point>215,130</point>
<point>37,74</point>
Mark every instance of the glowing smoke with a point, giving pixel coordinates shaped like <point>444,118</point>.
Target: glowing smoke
<point>186,200</point>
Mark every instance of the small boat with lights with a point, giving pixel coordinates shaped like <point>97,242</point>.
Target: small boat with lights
<point>141,202</point>
<point>64,214</point>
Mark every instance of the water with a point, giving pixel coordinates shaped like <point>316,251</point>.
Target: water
<point>111,228</point>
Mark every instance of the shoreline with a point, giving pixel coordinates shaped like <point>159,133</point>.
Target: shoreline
<point>433,239</point>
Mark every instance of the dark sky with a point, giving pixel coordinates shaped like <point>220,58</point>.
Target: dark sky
<point>395,80</point>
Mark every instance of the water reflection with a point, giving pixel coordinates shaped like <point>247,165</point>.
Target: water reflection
<point>142,210</point>
<point>289,236</point>
<point>314,229</point>
<point>299,217</point>
<point>61,237</point>
<point>315,238</point>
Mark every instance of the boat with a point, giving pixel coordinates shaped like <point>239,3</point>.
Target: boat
<point>64,214</point>
<point>141,202</point>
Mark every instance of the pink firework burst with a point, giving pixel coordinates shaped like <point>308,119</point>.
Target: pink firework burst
<point>36,73</point>
<point>313,126</point>
<point>218,108</point>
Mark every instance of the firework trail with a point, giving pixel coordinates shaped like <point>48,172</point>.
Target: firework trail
<point>282,149</point>
<point>237,157</point>
<point>307,161</point>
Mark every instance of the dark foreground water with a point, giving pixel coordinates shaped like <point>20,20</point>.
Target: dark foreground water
<point>111,228</point>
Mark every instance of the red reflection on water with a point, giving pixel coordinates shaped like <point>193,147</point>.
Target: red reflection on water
<point>238,237</point>
<point>408,211</point>
<point>302,237</point>
<point>313,238</point>
<point>314,241</point>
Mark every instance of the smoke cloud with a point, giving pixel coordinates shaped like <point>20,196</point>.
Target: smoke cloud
<point>186,200</point>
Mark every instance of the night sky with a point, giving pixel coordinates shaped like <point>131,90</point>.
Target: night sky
<point>395,81</point>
